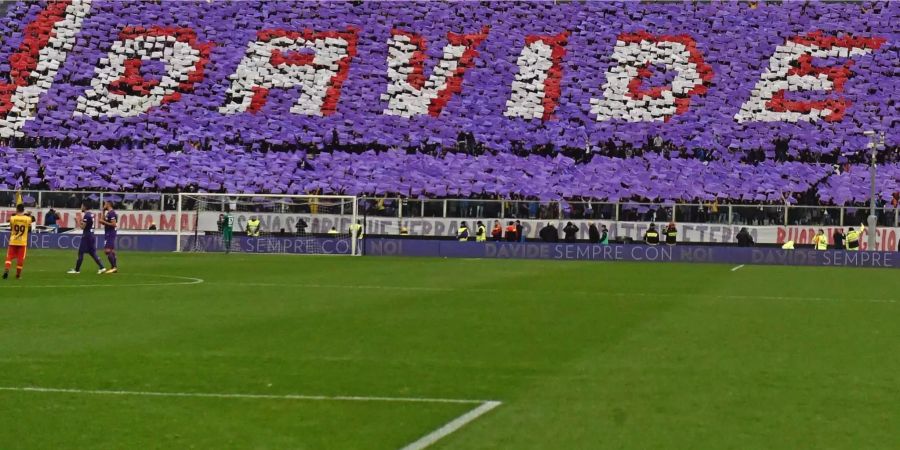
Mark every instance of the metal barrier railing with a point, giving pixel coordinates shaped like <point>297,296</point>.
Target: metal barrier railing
<point>722,213</point>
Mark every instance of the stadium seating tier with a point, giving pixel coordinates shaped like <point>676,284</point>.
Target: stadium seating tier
<point>239,78</point>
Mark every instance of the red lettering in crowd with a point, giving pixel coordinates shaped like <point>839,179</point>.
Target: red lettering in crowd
<point>454,84</point>
<point>838,75</point>
<point>260,96</point>
<point>279,58</point>
<point>636,89</point>
<point>552,83</point>
<point>25,59</point>
<point>296,58</point>
<point>132,82</point>
<point>416,77</point>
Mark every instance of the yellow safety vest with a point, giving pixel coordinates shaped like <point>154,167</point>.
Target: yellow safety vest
<point>460,234</point>
<point>358,229</point>
<point>253,228</point>
<point>853,240</point>
<point>821,242</point>
<point>481,236</point>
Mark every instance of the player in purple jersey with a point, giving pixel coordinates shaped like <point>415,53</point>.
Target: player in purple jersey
<point>88,244</point>
<point>110,222</point>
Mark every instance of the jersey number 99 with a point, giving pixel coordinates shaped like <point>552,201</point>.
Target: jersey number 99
<point>19,230</point>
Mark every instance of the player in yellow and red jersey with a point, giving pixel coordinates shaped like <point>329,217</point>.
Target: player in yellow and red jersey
<point>19,226</point>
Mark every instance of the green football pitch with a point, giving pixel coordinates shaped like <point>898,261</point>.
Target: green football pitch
<point>301,352</point>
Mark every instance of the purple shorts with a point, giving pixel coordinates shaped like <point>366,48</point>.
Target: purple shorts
<point>87,245</point>
<point>109,242</point>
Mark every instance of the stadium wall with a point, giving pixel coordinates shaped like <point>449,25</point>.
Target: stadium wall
<point>635,253</point>
<point>491,250</point>
<point>165,242</point>
<point>887,238</point>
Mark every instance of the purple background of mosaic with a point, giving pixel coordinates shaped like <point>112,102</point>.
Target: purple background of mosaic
<point>735,40</point>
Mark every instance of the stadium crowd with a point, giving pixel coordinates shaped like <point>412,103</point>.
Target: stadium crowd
<point>687,136</point>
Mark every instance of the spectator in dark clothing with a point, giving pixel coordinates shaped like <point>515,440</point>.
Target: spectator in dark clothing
<point>839,238</point>
<point>301,227</point>
<point>593,234</point>
<point>744,239</point>
<point>520,236</point>
<point>50,220</point>
<point>549,233</point>
<point>571,232</point>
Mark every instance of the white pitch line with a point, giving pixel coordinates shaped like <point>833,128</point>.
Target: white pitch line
<point>736,268</point>
<point>187,281</point>
<point>454,425</point>
<point>345,398</point>
<point>483,405</point>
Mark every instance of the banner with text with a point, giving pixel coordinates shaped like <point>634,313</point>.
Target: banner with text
<point>887,238</point>
<point>640,253</point>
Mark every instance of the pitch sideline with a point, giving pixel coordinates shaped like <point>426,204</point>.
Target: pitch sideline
<point>483,406</point>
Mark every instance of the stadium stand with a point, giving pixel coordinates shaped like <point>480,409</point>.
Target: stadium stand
<point>684,102</point>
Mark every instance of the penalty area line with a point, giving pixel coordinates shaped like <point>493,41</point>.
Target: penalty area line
<point>736,268</point>
<point>454,425</point>
<point>344,398</point>
<point>484,406</point>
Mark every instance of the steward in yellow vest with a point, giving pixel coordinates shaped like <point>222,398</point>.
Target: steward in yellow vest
<point>253,227</point>
<point>357,229</point>
<point>462,233</point>
<point>853,238</point>
<point>480,232</point>
<point>820,241</point>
